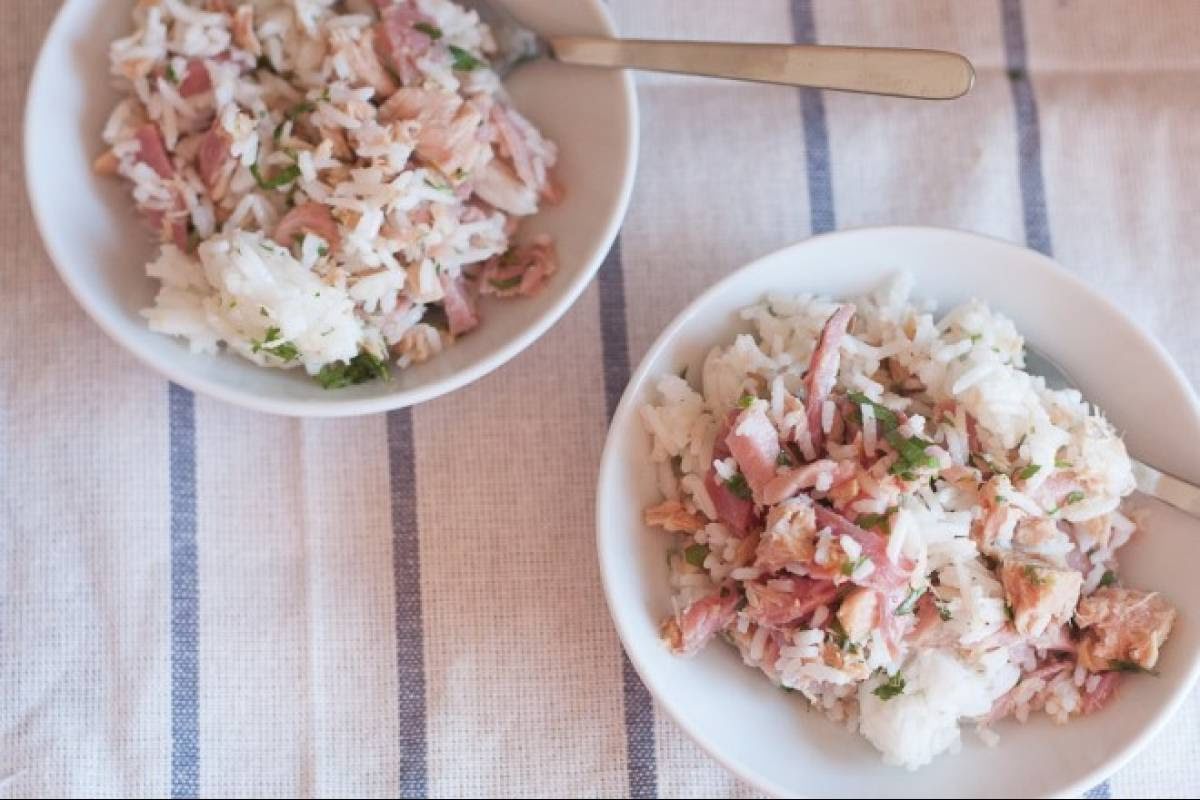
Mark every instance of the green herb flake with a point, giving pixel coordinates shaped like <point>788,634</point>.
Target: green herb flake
<point>883,415</point>
<point>1061,464</point>
<point>171,74</point>
<point>1108,579</point>
<point>784,459</point>
<point>506,284</point>
<point>944,612</point>
<point>892,687</point>
<point>272,335</point>
<point>696,554</point>
<point>287,351</point>
<point>909,603</point>
<point>837,634</point>
<point>869,521</point>
<point>303,107</point>
<point>464,61</point>
<point>284,177</point>
<point>850,567</point>
<point>1028,472</point>
<point>976,338</point>
<point>1075,497</point>
<point>360,369</point>
<point>737,484</point>
<point>910,450</point>
<point>1033,576</point>
<point>432,31</point>
<point>272,345</point>
<point>1118,665</point>
<point>322,251</point>
<point>746,400</point>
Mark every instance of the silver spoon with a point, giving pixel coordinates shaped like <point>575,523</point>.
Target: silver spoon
<point>897,72</point>
<point>1171,490</point>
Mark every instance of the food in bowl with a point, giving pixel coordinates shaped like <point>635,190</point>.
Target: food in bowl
<point>883,512</point>
<point>332,183</point>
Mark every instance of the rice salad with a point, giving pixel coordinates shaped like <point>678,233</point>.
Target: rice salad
<point>881,511</point>
<point>333,183</point>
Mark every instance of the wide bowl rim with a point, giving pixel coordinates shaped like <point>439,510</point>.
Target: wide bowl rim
<point>626,408</point>
<point>333,406</point>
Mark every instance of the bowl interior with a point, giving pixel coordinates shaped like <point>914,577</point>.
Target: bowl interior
<point>99,246</point>
<point>766,736</point>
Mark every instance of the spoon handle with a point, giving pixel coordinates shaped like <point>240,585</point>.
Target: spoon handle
<point>1171,490</point>
<point>925,74</point>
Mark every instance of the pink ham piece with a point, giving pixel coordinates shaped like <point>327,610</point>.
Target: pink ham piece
<point>930,630</point>
<point>514,145</point>
<point>691,629</point>
<point>893,627</point>
<point>823,370</point>
<point>211,158</point>
<point>529,152</point>
<point>308,218</point>
<point>196,80</point>
<point>736,512</point>
<point>754,444</point>
<point>775,608</point>
<point>1007,702</point>
<point>152,151</point>
<point>1055,489</point>
<point>1101,693</point>
<point>172,229</point>
<point>398,41</point>
<point>498,186</point>
<point>364,62</point>
<point>523,270</point>
<point>447,133</point>
<point>787,483</point>
<point>459,306</point>
<point>886,577</point>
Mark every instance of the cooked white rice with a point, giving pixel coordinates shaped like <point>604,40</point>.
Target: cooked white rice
<point>963,558</point>
<point>333,182</point>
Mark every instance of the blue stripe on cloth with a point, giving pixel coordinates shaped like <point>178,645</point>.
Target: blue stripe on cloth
<point>1029,137</point>
<point>639,712</point>
<point>185,601</point>
<point>1029,164</point>
<point>816,132</point>
<point>410,635</point>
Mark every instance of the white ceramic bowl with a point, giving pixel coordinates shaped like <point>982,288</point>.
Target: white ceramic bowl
<point>99,247</point>
<point>767,737</point>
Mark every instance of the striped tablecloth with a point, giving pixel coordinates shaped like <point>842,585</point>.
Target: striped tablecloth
<point>199,600</point>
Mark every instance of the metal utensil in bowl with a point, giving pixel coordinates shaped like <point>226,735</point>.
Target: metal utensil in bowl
<point>1156,483</point>
<point>893,71</point>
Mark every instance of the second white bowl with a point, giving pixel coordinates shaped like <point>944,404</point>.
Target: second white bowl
<point>766,736</point>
